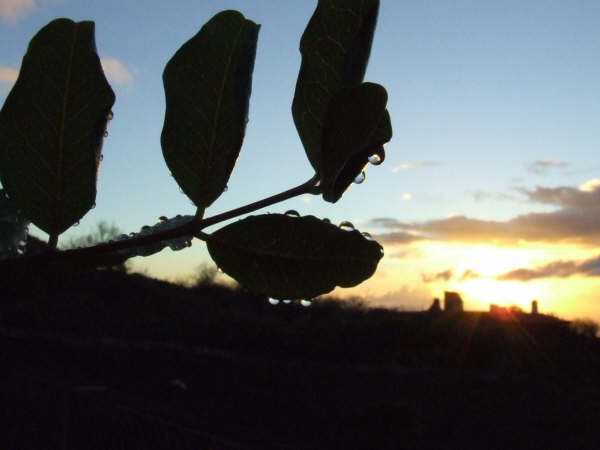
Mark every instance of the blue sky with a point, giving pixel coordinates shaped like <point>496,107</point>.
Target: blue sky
<point>491,102</point>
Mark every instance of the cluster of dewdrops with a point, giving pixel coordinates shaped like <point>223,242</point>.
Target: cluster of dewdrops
<point>164,223</point>
<point>344,225</point>
<point>304,302</point>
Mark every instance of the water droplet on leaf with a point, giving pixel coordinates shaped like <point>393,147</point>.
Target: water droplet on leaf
<point>287,301</point>
<point>367,236</point>
<point>110,115</point>
<point>377,158</point>
<point>346,226</point>
<point>360,178</point>
<point>105,133</point>
<point>306,303</point>
<point>273,301</point>
<point>292,213</point>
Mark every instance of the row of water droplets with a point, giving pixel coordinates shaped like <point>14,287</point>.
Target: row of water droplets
<point>344,225</point>
<point>164,223</point>
<point>375,159</point>
<point>99,156</point>
<point>304,302</point>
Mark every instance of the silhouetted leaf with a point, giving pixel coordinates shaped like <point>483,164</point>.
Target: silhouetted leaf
<point>52,126</point>
<point>293,257</point>
<point>357,125</point>
<point>335,50</point>
<point>207,87</point>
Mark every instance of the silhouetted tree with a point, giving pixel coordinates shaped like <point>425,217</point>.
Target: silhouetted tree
<point>585,327</point>
<point>104,232</point>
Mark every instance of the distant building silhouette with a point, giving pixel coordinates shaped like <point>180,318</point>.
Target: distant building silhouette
<point>435,306</point>
<point>452,301</point>
<point>503,311</point>
<point>534,307</point>
<point>499,311</point>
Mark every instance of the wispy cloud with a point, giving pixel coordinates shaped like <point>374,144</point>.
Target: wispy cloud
<point>8,76</point>
<point>555,269</point>
<point>586,196</point>
<point>448,275</point>
<point>577,219</point>
<point>542,166</point>
<point>116,72</point>
<point>445,275</point>
<point>306,199</point>
<point>13,10</point>
<point>414,165</point>
<point>482,196</point>
<point>469,275</point>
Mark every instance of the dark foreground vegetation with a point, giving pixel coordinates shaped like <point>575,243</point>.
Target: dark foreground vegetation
<point>107,360</point>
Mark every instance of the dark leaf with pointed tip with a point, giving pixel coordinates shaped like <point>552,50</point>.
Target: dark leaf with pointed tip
<point>293,257</point>
<point>357,126</point>
<point>52,126</point>
<point>207,86</point>
<point>335,50</point>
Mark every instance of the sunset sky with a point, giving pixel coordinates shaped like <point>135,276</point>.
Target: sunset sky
<point>491,185</point>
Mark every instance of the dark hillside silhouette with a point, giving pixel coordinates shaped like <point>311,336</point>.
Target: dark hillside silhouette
<point>110,360</point>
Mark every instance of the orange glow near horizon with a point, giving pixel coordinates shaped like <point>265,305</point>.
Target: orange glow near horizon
<point>427,269</point>
<point>472,270</point>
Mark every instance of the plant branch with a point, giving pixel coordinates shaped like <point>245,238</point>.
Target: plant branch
<point>193,227</point>
<point>304,188</point>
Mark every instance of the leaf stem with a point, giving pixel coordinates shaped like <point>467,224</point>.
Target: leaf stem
<point>304,188</point>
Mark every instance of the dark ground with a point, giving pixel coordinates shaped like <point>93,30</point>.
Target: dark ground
<point>107,360</point>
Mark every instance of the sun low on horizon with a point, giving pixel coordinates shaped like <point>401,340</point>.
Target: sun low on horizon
<point>558,276</point>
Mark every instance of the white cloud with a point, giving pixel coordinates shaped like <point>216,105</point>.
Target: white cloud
<point>541,166</point>
<point>8,75</point>
<point>12,10</point>
<point>414,165</point>
<point>115,71</point>
<point>591,185</point>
